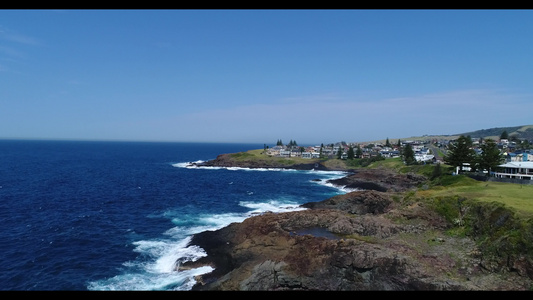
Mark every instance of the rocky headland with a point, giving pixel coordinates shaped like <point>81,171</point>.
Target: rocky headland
<point>375,238</point>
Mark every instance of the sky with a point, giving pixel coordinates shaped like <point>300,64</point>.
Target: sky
<point>257,76</point>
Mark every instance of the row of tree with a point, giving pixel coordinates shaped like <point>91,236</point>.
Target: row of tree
<point>291,143</point>
<point>461,153</point>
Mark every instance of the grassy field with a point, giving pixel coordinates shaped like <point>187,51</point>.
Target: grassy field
<point>258,155</point>
<point>517,196</point>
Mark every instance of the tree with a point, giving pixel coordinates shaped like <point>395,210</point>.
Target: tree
<point>524,145</point>
<point>490,156</point>
<point>351,153</point>
<point>339,153</point>
<point>387,143</point>
<point>358,152</point>
<point>460,152</point>
<point>436,171</point>
<point>408,155</point>
<point>504,135</point>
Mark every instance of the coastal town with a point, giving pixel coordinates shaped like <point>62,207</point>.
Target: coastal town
<point>517,159</point>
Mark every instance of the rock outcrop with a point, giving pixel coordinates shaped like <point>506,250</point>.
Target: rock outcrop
<point>226,160</point>
<point>362,240</point>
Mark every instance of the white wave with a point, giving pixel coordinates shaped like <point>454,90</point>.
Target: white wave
<point>203,222</point>
<point>260,169</point>
<point>341,189</point>
<point>166,253</point>
<point>180,281</point>
<point>194,165</point>
<point>156,267</point>
<point>218,221</point>
<point>159,272</point>
<point>270,206</point>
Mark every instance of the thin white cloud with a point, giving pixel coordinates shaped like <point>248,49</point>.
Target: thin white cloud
<point>439,113</point>
<point>10,36</point>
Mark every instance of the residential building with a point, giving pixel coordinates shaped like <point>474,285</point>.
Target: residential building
<point>515,169</point>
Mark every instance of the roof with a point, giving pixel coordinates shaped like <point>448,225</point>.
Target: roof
<point>518,164</point>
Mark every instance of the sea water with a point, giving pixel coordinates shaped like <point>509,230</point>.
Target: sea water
<point>80,215</point>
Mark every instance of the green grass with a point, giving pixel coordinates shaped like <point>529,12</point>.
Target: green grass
<point>517,196</point>
<point>259,155</point>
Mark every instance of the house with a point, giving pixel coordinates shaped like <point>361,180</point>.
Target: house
<point>274,151</point>
<point>306,154</point>
<point>285,153</point>
<point>515,169</point>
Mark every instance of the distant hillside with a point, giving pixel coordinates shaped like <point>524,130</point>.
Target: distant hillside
<point>521,132</point>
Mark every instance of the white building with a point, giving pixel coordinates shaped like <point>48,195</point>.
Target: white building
<point>516,169</point>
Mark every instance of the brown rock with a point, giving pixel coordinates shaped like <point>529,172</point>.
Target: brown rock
<point>362,240</point>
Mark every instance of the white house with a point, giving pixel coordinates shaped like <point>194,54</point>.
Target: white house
<point>515,169</point>
<point>306,155</point>
<point>285,153</point>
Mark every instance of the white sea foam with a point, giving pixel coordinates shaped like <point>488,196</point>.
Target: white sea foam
<point>270,206</point>
<point>183,280</point>
<point>194,165</point>
<point>167,255</point>
<point>340,188</point>
<point>160,272</point>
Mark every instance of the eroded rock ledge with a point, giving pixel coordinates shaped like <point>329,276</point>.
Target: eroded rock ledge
<point>363,240</point>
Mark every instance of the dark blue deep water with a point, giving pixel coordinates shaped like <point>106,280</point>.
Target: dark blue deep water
<point>82,215</point>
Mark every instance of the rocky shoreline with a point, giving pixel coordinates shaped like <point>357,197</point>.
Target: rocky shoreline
<point>362,240</point>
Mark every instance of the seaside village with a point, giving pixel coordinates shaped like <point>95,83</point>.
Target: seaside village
<point>518,162</point>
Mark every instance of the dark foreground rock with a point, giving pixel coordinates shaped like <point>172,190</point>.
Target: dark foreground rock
<point>362,240</point>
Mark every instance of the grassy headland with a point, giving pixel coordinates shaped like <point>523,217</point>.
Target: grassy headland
<point>515,196</point>
<point>497,216</point>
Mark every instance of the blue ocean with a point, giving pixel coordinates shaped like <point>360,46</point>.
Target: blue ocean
<point>86,215</point>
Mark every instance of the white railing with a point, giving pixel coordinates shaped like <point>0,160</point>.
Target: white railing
<point>514,175</point>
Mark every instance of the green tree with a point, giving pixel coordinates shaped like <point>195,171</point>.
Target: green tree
<point>437,171</point>
<point>408,155</point>
<point>490,156</point>
<point>460,152</point>
<point>387,143</point>
<point>504,135</point>
<point>351,153</point>
<point>339,153</point>
<point>358,152</point>
<point>524,145</point>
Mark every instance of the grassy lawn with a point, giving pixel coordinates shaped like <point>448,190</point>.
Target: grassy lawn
<point>517,196</point>
<point>258,155</point>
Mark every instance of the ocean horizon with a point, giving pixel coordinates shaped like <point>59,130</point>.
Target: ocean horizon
<point>119,215</point>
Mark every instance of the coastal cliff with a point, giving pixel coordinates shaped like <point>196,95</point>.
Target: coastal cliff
<point>242,160</point>
<point>378,238</point>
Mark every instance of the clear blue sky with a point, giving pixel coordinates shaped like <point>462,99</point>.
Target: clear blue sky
<point>313,76</point>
